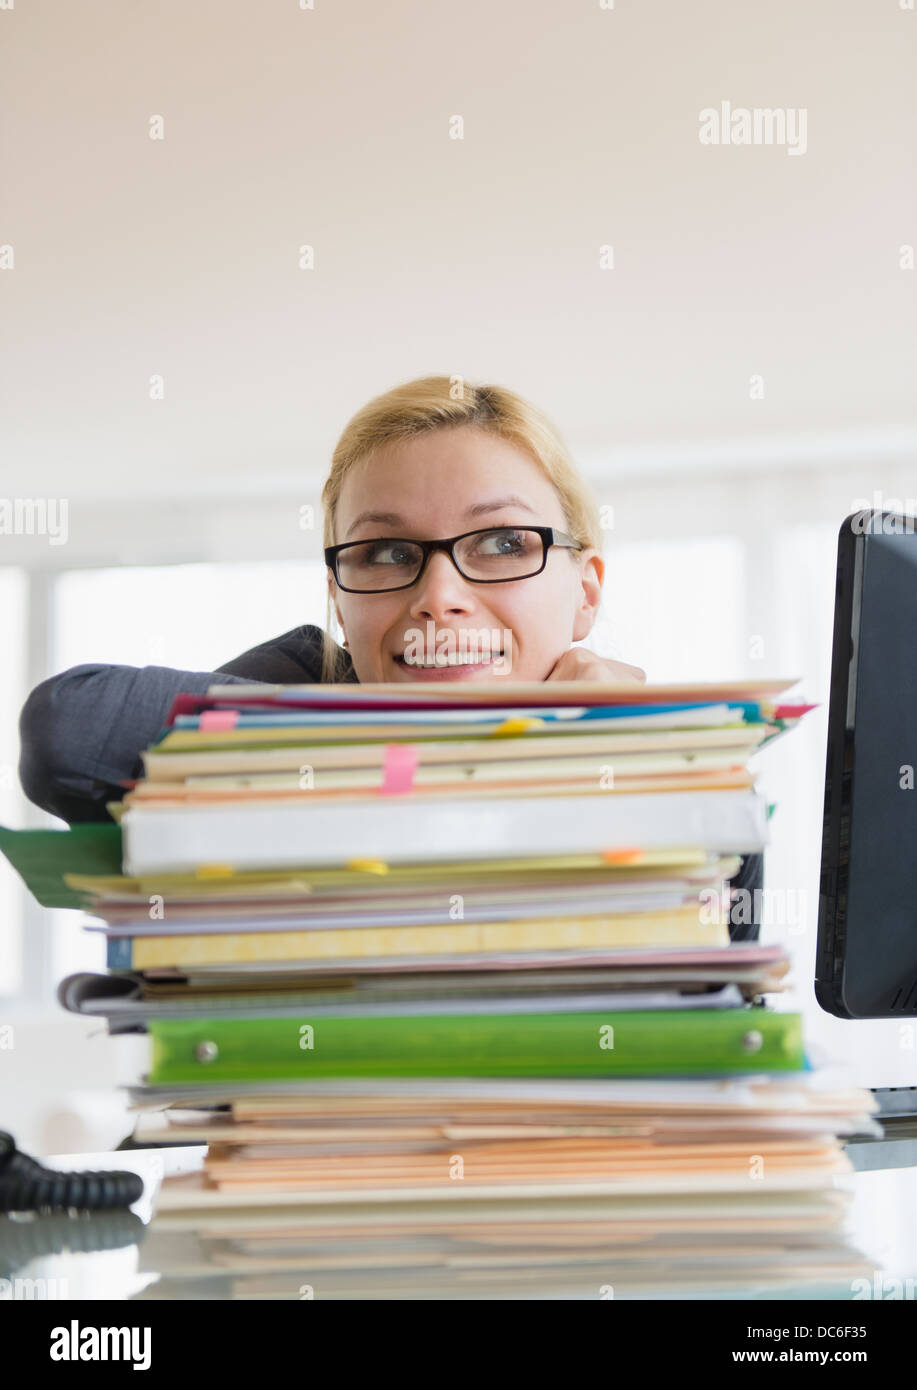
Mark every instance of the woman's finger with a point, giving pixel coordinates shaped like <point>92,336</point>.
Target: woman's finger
<point>581,664</point>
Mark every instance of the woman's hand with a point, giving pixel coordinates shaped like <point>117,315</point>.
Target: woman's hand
<point>580,664</point>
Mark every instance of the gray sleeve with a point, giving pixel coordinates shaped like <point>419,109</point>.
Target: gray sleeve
<point>745,912</point>
<point>81,732</point>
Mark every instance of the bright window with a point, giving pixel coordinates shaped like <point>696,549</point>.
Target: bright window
<point>190,617</point>
<point>676,608</point>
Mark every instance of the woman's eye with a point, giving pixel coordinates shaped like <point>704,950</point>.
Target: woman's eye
<point>501,543</point>
<point>389,553</point>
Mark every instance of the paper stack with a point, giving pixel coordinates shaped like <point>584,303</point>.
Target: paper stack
<point>444,979</point>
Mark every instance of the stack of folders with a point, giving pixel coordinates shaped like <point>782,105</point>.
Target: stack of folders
<point>443,977</point>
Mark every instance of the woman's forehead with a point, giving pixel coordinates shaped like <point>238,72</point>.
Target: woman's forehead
<point>446,472</point>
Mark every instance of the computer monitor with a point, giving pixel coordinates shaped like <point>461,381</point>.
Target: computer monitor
<point>866,958</point>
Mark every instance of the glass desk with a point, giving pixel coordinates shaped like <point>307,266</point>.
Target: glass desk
<point>120,1256</point>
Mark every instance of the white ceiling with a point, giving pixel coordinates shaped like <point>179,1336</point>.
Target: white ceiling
<point>478,257</point>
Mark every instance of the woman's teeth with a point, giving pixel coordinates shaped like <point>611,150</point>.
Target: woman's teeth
<point>478,659</point>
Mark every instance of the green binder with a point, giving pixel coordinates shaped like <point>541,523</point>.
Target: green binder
<point>673,1042</point>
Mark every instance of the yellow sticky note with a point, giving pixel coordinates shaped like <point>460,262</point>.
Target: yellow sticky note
<point>214,871</point>
<point>510,727</point>
<point>368,866</point>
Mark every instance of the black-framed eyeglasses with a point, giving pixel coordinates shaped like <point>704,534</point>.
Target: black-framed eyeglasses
<point>495,556</point>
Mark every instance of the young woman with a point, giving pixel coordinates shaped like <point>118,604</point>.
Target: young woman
<point>462,544</point>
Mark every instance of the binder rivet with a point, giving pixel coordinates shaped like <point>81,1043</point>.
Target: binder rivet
<point>206,1052</point>
<point>752,1041</point>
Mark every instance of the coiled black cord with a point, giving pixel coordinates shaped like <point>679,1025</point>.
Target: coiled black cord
<point>26,1185</point>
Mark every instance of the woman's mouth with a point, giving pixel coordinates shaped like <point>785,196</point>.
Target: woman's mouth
<point>447,666</point>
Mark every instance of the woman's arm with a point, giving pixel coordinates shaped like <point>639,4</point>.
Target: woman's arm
<point>82,732</point>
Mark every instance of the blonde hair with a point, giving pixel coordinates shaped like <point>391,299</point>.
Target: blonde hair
<point>442,402</point>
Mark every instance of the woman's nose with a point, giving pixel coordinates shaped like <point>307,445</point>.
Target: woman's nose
<point>440,589</point>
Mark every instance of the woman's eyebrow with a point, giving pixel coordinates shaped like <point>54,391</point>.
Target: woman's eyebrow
<point>498,504</point>
<point>479,509</point>
<point>386,518</point>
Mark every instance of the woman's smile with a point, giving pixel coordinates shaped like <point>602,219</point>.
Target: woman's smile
<point>459,665</point>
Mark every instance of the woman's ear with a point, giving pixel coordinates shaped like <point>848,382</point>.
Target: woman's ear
<point>591,575</point>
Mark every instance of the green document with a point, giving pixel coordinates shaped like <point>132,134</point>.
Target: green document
<point>664,1042</point>
<point>42,857</point>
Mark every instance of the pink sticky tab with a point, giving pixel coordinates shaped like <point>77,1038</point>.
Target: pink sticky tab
<point>398,767</point>
<point>216,719</point>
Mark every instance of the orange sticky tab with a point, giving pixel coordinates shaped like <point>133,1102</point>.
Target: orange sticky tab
<point>398,767</point>
<point>510,727</point>
<point>216,719</point>
<point>622,856</point>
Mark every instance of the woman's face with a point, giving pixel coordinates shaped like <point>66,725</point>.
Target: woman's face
<point>442,483</point>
